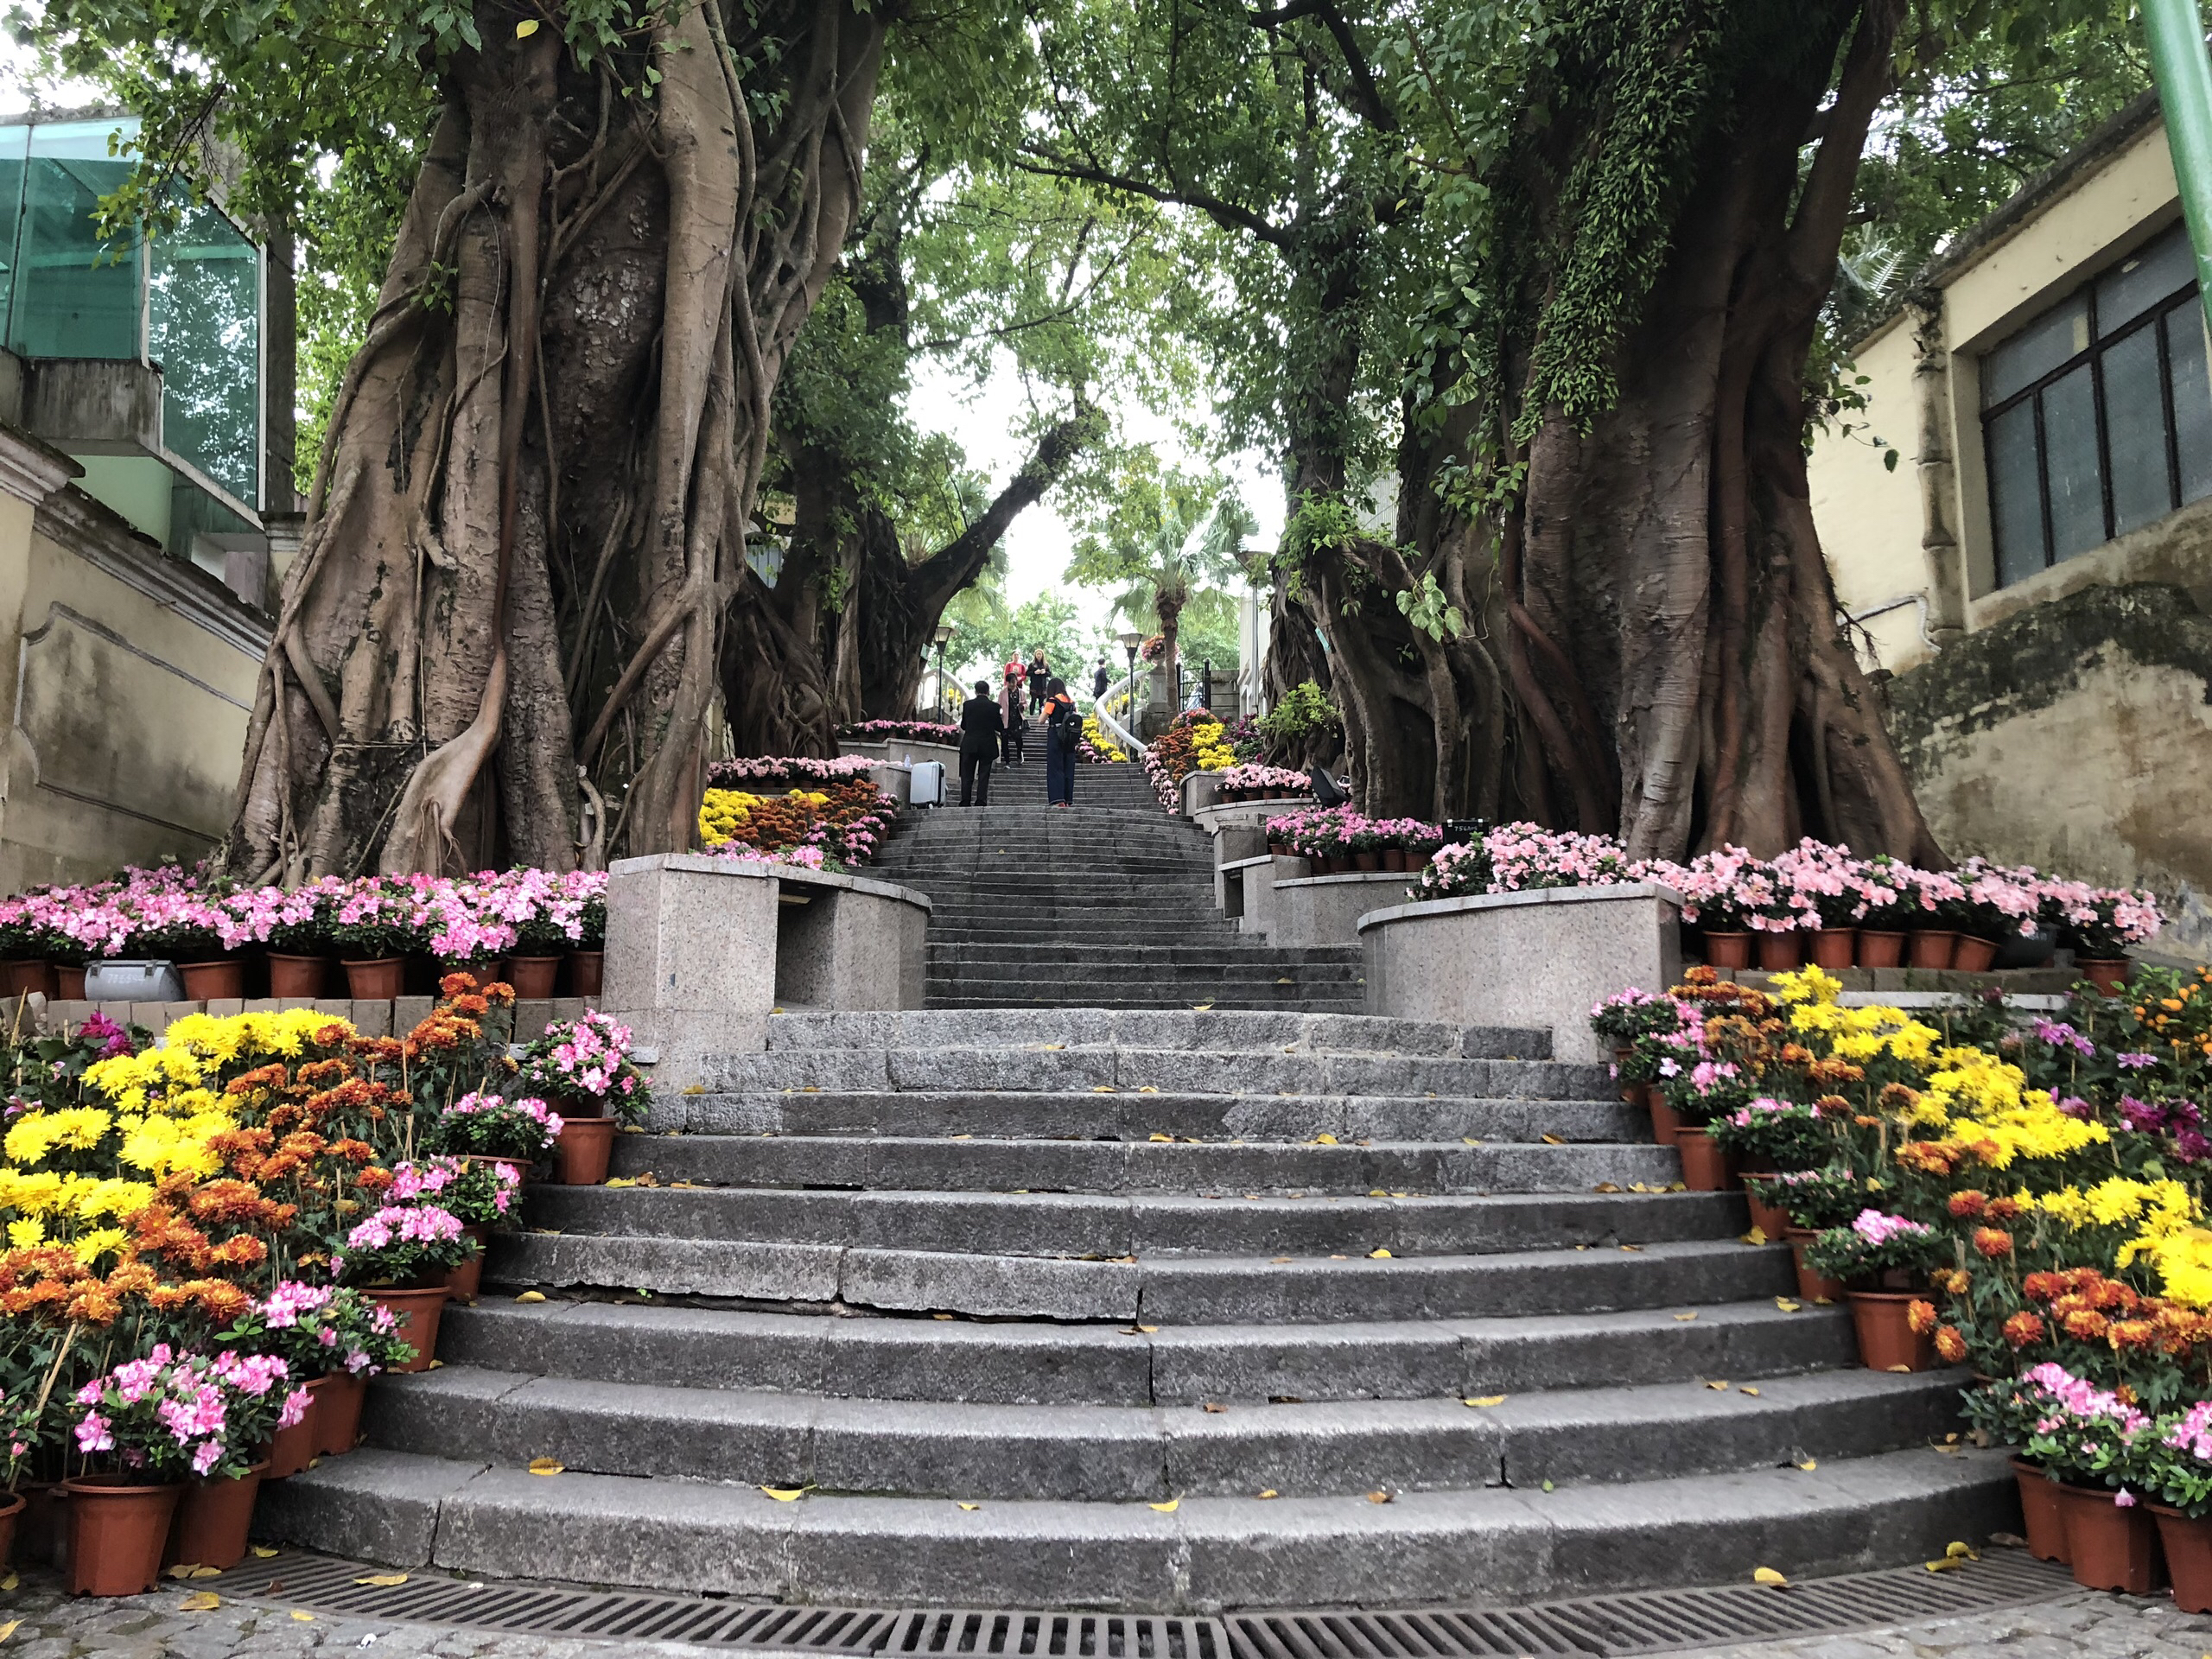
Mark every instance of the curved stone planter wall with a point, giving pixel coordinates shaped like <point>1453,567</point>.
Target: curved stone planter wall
<point>1327,909</point>
<point>701,949</point>
<point>1539,958</point>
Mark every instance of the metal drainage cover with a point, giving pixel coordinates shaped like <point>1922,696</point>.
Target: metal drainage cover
<point>1651,1621</point>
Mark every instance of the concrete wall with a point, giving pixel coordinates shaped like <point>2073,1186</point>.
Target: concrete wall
<point>132,680</point>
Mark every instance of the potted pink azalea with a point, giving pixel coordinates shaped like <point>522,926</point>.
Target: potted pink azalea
<point>584,1067</point>
<point>400,1255</point>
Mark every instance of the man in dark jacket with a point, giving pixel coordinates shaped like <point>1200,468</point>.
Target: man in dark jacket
<point>981,728</point>
<point>1101,677</point>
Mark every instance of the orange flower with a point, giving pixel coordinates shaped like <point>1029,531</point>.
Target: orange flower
<point>1921,1316</point>
<point>2084,1325</point>
<point>1896,1097</point>
<point>1992,1242</point>
<point>1950,1344</point>
<point>2005,1209</point>
<point>2131,1336</point>
<point>2024,1328</point>
<point>1968,1203</point>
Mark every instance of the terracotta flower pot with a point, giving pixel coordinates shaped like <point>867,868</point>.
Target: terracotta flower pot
<point>463,1282</point>
<point>1973,956</point>
<point>1886,1341</point>
<point>1780,953</point>
<point>69,982</point>
<point>1705,1166</point>
<point>291,1450</point>
<point>2188,1545</point>
<point>1810,1285</point>
<point>297,975</point>
<point>1666,1122</point>
<point>10,1512</point>
<point>1877,949</point>
<point>1728,950</point>
<point>533,977</point>
<point>1769,1219</point>
<point>2114,1546</point>
<point>213,981</point>
<point>335,1419</point>
<point>377,980</point>
<point>116,1532</point>
<point>2046,1518</point>
<point>1395,859</point>
<point>25,978</point>
<point>1367,859</point>
<point>581,1155</point>
<point>1933,947</point>
<point>2107,974</point>
<point>1835,947</point>
<point>418,1310</point>
<point>38,1529</point>
<point>212,1518</point>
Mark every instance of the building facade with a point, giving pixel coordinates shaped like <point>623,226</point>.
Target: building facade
<point>2034,571</point>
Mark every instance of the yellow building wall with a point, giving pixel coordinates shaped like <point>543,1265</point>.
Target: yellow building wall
<point>1868,516</point>
<point>133,680</point>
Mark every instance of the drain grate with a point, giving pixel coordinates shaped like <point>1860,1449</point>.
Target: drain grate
<point>1596,1627</point>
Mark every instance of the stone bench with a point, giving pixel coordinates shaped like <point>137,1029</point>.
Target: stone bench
<point>1539,958</point>
<point>702,949</point>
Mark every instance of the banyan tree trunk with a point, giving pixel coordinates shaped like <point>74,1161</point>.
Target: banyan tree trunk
<point>527,526</point>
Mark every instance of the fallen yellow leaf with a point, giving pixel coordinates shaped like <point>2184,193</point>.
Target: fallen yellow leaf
<point>383,1581</point>
<point>1810,1464</point>
<point>303,1617</point>
<point>1169,1507</point>
<point>1378,1255</point>
<point>1684,1319</point>
<point>1486,1400</point>
<point>1756,1236</point>
<point>1961,1551</point>
<point>1200,1007</point>
<point>199,1601</point>
<point>531,1296</point>
<point>1148,1329</point>
<point>1271,1492</point>
<point>181,1570</point>
<point>9,1583</point>
<point>1633,1249</point>
<point>786,1494</point>
<point>1378,1497</point>
<point>1722,1384</point>
<point>1323,1140</point>
<point>545,1466</point>
<point>204,1573</point>
<point>1553,1140</point>
<point>1768,1575</point>
<point>1163,1137</point>
<point>620,1180</point>
<point>1789,1306</point>
<point>1899,1367</point>
<point>1470,1140</point>
<point>1748,1388</point>
<point>1605,1187</point>
<point>9,1629</point>
<point>967,1506</point>
<point>1949,1563</point>
<point>1148,1088</point>
<point>1102,1089</point>
<point>264,1552</point>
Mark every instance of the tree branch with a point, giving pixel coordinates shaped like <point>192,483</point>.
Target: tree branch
<point>939,578</point>
<point>1367,98</point>
<point>1227,214</point>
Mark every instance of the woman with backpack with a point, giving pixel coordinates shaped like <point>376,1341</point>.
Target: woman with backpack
<point>1062,737</point>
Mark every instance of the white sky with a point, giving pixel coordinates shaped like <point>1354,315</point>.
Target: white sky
<point>983,419</point>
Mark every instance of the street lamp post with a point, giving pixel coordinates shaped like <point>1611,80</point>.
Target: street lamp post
<point>1130,641</point>
<point>944,637</point>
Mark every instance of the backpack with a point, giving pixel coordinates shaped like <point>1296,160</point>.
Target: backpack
<point>1065,728</point>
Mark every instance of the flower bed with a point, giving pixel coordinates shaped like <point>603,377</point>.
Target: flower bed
<point>1098,748</point>
<point>2026,1195</point>
<point>1194,741</point>
<point>1866,908</point>
<point>1250,780</point>
<point>902,731</point>
<point>198,1230</point>
<point>1337,838</point>
<point>830,827</point>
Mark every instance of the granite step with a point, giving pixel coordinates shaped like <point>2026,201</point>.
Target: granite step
<point>892,1357</point>
<point>1197,1290</point>
<point>1059,995</point>
<point>1138,1117</point>
<point>1169,1070</point>
<point>1497,1545</point>
<point>1217,1033</point>
<point>1093,1453</point>
<point>1091,1225</point>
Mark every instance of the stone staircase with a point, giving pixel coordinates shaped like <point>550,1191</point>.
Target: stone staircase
<point>1108,904</point>
<point>1108,1308</point>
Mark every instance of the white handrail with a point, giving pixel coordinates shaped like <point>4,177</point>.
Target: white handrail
<point>1114,728</point>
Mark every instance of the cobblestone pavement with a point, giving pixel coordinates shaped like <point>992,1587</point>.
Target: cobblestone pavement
<point>2085,1624</point>
<point>2081,1625</point>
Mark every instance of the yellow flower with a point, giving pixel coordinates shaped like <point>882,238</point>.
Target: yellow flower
<point>26,1235</point>
<point>1806,985</point>
<point>100,1242</point>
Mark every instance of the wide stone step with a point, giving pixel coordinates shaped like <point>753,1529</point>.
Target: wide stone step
<point>1495,1545</point>
<point>978,1221</point>
<point>1203,1290</point>
<point>1135,1117</point>
<point>1168,1071</point>
<point>1061,993</point>
<point>1151,1453</point>
<point>1005,947</point>
<point>1215,1034</point>
<point>1003,1361</point>
<point>1155,957</point>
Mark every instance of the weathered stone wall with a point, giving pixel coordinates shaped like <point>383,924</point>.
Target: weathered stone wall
<point>2076,735</point>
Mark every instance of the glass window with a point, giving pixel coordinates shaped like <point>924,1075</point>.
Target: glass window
<point>2097,416</point>
<point>77,294</point>
<point>2016,494</point>
<point>203,329</point>
<point>2135,431</point>
<point>2159,272</point>
<point>2036,351</point>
